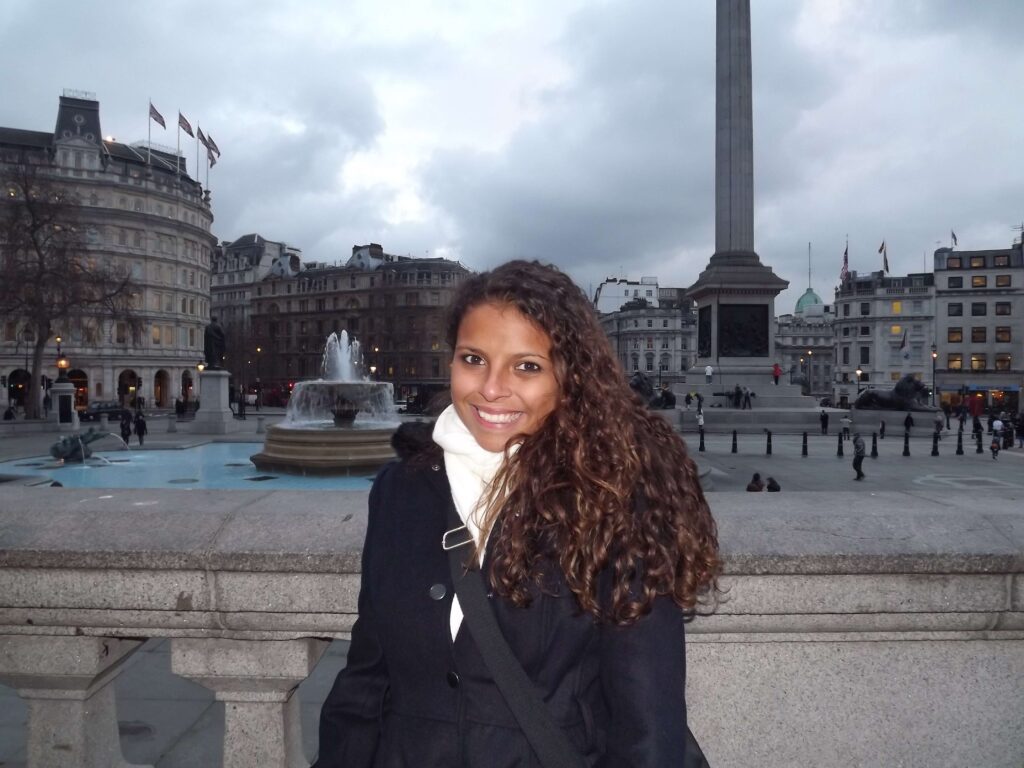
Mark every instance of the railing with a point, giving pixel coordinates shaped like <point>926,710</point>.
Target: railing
<point>855,629</point>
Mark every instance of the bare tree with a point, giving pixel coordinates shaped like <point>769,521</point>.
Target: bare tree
<point>50,278</point>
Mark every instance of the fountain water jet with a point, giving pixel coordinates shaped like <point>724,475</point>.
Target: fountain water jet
<point>334,425</point>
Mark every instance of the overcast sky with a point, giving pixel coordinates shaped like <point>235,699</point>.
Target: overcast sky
<point>576,132</point>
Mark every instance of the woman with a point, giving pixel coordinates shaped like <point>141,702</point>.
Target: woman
<point>588,523</point>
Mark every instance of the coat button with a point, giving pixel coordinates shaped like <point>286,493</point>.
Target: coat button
<point>453,679</point>
<point>436,467</point>
<point>438,591</point>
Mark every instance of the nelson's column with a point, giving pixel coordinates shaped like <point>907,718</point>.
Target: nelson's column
<point>735,293</point>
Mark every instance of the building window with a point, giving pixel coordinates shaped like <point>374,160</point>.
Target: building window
<point>954,262</point>
<point>156,334</point>
<point>895,330</point>
<point>846,330</point>
<point>955,361</point>
<point>664,323</point>
<point>955,309</point>
<point>977,262</point>
<point>846,310</point>
<point>1003,361</point>
<point>865,355</point>
<point>1003,308</point>
<point>1003,281</point>
<point>978,334</point>
<point>897,307</point>
<point>846,355</point>
<point>1003,335</point>
<point>1001,260</point>
<point>865,330</point>
<point>865,308</point>
<point>650,322</point>
<point>978,362</point>
<point>979,309</point>
<point>955,335</point>
<point>979,281</point>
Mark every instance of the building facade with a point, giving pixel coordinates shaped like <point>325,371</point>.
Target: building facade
<point>658,341</point>
<point>613,292</point>
<point>144,217</point>
<point>804,344</point>
<point>980,327</point>
<point>395,306</point>
<point>884,330</point>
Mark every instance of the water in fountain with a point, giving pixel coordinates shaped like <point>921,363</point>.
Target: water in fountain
<point>313,404</point>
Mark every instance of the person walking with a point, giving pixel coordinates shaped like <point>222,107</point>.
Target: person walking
<point>140,427</point>
<point>47,405</point>
<point>126,426</point>
<point>881,430</point>
<point>939,424</point>
<point>737,397</point>
<point>824,421</point>
<point>746,398</point>
<point>700,403</point>
<point>908,422</point>
<point>847,422</point>
<point>708,373</point>
<point>776,373</point>
<point>858,455</point>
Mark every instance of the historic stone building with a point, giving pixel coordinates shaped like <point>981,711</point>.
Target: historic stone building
<point>394,306</point>
<point>884,328</point>
<point>652,332</point>
<point>143,215</point>
<point>980,327</point>
<point>804,344</point>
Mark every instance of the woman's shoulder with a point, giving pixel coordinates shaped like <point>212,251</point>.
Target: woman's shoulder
<point>419,460</point>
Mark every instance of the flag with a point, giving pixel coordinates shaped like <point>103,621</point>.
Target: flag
<point>952,236</point>
<point>156,116</point>
<point>213,144</point>
<point>885,258</point>
<point>202,138</point>
<point>845,271</point>
<point>185,125</point>
<point>904,347</point>
<point>210,157</point>
<point>881,248</point>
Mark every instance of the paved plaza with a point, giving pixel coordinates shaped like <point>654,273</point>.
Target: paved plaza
<point>167,721</point>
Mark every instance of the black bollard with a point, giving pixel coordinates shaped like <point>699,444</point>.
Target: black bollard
<point>769,450</point>
<point>701,448</point>
<point>935,444</point>
<point>960,443</point>
<point>803,451</point>
<point>839,450</point>
<point>980,449</point>
<point>906,443</point>
<point>874,445</point>
<point>734,450</point>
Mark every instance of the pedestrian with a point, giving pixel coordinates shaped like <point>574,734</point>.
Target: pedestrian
<point>939,423</point>
<point>858,455</point>
<point>700,419</point>
<point>776,373</point>
<point>140,427</point>
<point>991,419</point>
<point>9,413</point>
<point>688,400</point>
<point>126,427</point>
<point>847,422</point>
<point>755,484</point>
<point>47,404</point>
<point>962,417</point>
<point>737,397</point>
<point>708,371</point>
<point>241,406</point>
<point>747,394</point>
<point>976,425</point>
<point>947,411</point>
<point>700,403</point>
<point>1020,430</point>
<point>667,398</point>
<point>556,528</point>
<point>908,422</point>
<point>881,430</point>
<point>772,486</point>
<point>824,421</point>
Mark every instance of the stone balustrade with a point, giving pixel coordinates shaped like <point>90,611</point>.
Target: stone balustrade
<point>856,629</point>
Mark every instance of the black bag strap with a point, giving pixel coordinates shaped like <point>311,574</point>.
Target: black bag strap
<point>549,742</point>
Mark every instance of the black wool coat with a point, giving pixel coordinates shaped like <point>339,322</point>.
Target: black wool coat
<point>411,697</point>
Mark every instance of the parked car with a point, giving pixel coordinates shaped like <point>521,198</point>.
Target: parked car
<point>97,408</point>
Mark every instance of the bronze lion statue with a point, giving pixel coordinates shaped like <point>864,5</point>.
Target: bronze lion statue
<point>908,394</point>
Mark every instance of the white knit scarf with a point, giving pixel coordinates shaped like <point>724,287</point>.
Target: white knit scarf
<point>470,470</point>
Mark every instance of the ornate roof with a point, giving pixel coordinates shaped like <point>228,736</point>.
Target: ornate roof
<point>809,299</point>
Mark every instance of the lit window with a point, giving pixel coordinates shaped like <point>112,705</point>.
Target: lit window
<point>979,362</point>
<point>955,361</point>
<point>1003,281</point>
<point>896,330</point>
<point>1003,361</point>
<point>954,262</point>
<point>978,335</point>
<point>897,307</point>
<point>955,335</point>
<point>1001,260</point>
<point>977,262</point>
<point>979,281</point>
<point>1003,334</point>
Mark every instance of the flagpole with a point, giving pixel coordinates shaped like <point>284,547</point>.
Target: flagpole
<point>178,156</point>
<point>197,156</point>
<point>808,264</point>
<point>149,134</point>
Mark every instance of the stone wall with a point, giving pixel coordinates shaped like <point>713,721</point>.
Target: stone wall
<point>856,629</point>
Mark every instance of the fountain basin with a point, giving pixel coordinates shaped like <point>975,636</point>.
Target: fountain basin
<point>323,449</point>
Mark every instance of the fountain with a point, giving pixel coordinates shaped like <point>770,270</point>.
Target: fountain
<point>338,424</point>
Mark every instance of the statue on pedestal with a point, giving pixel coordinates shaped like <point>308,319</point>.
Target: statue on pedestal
<point>214,345</point>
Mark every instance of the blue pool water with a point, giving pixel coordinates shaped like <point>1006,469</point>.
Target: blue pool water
<point>214,465</point>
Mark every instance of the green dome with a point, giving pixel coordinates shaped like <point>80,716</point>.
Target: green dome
<point>809,299</point>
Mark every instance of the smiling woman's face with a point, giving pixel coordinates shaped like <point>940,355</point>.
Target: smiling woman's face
<point>503,378</point>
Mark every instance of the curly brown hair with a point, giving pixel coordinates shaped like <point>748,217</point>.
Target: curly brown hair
<point>604,487</point>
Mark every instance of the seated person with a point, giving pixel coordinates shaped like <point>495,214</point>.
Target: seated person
<point>755,483</point>
<point>773,486</point>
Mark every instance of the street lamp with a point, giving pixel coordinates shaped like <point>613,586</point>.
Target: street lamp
<point>935,355</point>
<point>62,363</point>
<point>859,373</point>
